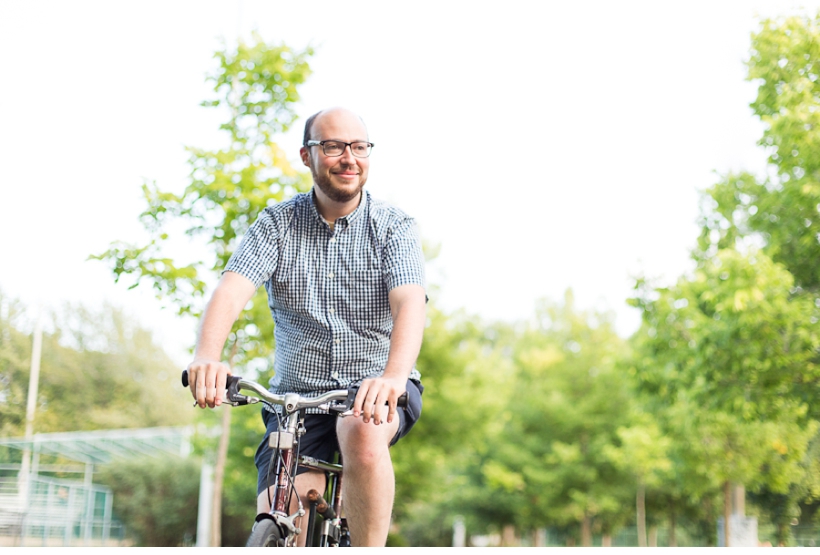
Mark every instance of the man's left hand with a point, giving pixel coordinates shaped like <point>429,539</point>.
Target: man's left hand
<point>374,393</point>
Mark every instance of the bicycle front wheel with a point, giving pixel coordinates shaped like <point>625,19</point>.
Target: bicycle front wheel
<point>265,533</point>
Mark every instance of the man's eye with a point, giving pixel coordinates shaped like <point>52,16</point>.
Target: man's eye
<point>360,147</point>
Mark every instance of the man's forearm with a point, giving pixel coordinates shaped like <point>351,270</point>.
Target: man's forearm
<point>405,341</point>
<point>215,326</point>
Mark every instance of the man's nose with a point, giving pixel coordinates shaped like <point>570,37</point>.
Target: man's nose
<point>347,154</point>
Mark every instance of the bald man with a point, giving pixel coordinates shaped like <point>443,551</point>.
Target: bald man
<point>344,275</point>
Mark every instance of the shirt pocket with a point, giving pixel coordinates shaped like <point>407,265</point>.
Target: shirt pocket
<point>368,296</point>
<point>290,289</point>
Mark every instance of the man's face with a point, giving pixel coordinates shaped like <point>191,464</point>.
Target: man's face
<point>340,178</point>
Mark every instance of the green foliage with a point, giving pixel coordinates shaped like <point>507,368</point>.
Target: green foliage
<point>255,86</point>
<point>732,338</point>
<point>467,377</point>
<point>782,210</point>
<point>728,356</point>
<point>99,370</point>
<point>155,498</point>
<point>515,426</point>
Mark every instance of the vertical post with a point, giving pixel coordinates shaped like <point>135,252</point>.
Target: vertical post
<point>106,531</point>
<point>727,512</point>
<point>34,377</point>
<point>23,477</point>
<point>203,518</point>
<point>459,532</point>
<point>89,504</point>
<point>739,500</point>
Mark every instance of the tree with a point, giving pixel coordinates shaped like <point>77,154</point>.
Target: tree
<point>546,464</point>
<point>156,499</point>
<point>643,452</point>
<point>467,378</point>
<point>728,347</point>
<point>100,370</point>
<point>256,87</point>
<point>780,210</point>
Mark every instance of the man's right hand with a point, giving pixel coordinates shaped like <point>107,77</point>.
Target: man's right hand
<point>207,380</point>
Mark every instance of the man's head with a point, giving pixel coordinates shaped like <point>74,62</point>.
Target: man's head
<point>340,178</point>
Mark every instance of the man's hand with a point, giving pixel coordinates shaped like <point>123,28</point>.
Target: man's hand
<point>374,393</point>
<point>207,380</point>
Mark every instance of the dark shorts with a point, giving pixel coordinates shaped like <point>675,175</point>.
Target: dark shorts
<point>320,441</point>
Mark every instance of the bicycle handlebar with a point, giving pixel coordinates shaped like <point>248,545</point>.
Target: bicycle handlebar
<point>290,401</point>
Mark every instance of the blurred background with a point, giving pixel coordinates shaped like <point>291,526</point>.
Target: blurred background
<point>620,211</point>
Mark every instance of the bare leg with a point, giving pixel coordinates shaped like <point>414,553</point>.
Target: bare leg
<point>304,483</point>
<point>369,485</point>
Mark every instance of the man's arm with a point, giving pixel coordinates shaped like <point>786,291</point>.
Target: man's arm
<point>207,373</point>
<point>408,309</point>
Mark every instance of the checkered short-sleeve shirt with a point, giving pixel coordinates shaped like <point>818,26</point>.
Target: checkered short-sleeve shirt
<point>327,290</point>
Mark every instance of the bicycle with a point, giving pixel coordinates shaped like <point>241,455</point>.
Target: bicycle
<point>277,528</point>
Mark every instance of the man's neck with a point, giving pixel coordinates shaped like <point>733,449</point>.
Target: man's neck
<point>331,210</point>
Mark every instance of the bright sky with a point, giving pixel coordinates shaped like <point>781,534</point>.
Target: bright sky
<point>543,145</point>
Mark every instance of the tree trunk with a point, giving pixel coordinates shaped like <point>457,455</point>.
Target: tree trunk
<point>219,476</point>
<point>221,459</point>
<point>653,536</point>
<point>640,506</point>
<point>606,540</point>
<point>673,541</point>
<point>586,531</point>
<point>727,511</point>
<point>508,536</point>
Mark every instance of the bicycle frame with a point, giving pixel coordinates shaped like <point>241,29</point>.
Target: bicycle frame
<point>285,443</point>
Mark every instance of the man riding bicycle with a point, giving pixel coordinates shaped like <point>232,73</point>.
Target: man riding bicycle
<point>344,275</point>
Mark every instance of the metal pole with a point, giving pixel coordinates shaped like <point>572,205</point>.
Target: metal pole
<point>459,532</point>
<point>23,478</point>
<point>203,518</point>
<point>89,503</point>
<point>34,377</point>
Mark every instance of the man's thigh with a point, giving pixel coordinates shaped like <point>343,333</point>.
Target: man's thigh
<point>319,442</point>
<point>400,427</point>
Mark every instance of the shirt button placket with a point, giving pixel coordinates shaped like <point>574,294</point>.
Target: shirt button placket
<point>332,287</point>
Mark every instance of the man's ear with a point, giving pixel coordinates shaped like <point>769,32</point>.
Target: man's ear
<point>303,152</point>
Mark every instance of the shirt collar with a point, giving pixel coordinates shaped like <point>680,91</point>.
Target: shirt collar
<point>345,220</point>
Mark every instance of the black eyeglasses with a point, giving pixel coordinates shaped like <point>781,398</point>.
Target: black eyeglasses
<point>359,149</point>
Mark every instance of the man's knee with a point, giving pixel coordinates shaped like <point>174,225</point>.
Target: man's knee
<point>362,443</point>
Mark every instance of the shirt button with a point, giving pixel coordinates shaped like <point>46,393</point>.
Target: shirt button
<point>330,275</point>
<point>338,341</point>
<point>332,310</point>
<point>332,239</point>
<point>335,375</point>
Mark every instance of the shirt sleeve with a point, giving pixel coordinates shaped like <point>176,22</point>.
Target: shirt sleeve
<point>258,253</point>
<point>403,257</point>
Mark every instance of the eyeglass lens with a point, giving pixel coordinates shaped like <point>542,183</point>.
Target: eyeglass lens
<point>336,148</point>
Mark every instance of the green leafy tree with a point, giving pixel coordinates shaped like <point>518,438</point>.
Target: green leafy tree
<point>467,377</point>
<point>255,87</point>
<point>642,452</point>
<point>729,348</point>
<point>782,209</point>
<point>99,370</point>
<point>156,498</point>
<point>548,463</point>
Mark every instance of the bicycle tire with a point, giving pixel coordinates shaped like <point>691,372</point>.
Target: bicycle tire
<point>265,533</point>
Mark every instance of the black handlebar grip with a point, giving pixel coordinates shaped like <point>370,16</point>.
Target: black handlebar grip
<point>231,380</point>
<point>354,389</point>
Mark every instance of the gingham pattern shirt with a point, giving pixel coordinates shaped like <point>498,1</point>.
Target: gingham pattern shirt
<point>327,290</point>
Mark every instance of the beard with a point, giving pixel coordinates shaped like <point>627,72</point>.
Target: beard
<point>335,193</point>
